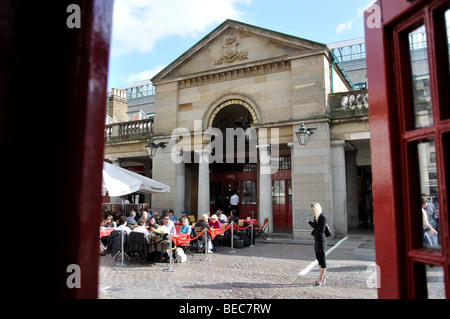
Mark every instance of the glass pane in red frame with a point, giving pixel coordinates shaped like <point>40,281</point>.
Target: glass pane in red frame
<point>428,187</point>
<point>420,78</point>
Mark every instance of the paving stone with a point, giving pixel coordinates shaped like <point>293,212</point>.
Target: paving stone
<point>268,271</point>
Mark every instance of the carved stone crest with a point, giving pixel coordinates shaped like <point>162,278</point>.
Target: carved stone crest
<point>230,51</point>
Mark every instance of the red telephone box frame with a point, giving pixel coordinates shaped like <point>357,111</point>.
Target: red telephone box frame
<point>55,156</point>
<point>401,261</point>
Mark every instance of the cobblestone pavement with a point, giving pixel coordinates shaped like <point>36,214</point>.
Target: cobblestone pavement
<point>271,270</point>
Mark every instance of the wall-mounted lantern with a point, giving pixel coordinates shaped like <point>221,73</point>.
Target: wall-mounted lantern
<point>303,134</point>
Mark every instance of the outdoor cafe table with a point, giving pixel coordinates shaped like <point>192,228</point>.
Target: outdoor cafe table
<point>106,232</point>
<point>180,239</point>
<point>248,221</point>
<point>213,232</point>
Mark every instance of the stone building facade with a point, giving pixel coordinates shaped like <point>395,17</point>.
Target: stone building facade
<point>264,84</point>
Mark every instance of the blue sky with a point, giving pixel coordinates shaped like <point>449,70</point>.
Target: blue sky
<point>149,34</point>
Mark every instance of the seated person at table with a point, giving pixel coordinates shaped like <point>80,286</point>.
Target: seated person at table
<point>203,223</point>
<point>163,246</point>
<point>116,214</point>
<point>110,223</point>
<point>146,216</point>
<point>221,216</point>
<point>141,228</point>
<point>214,222</point>
<point>185,229</point>
<point>123,225</point>
<point>172,216</point>
<point>152,225</point>
<point>165,221</point>
<point>233,217</point>
<point>184,214</point>
<point>131,219</point>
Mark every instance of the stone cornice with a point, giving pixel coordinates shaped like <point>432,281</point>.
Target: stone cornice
<point>247,70</point>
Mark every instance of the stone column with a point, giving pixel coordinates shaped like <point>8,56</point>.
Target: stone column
<point>148,173</point>
<point>265,207</point>
<point>181,185</point>
<point>339,187</point>
<point>352,188</point>
<point>203,182</point>
<point>292,147</point>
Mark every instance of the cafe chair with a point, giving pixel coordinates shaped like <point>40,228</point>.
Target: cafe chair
<point>218,242</point>
<point>194,233</point>
<point>114,246</point>
<point>191,219</point>
<point>138,247</point>
<point>261,231</point>
<point>198,243</point>
<point>186,247</point>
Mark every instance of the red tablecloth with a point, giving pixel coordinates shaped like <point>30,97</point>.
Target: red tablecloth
<point>248,221</point>
<point>213,232</point>
<point>235,227</point>
<point>181,239</point>
<point>106,232</point>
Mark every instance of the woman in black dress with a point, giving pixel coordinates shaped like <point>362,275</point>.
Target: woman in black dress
<point>320,241</point>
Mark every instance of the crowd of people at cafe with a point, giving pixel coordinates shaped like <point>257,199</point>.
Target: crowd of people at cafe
<point>159,228</point>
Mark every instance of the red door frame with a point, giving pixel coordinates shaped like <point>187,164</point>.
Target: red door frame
<point>53,81</point>
<point>395,253</point>
<point>237,177</point>
<point>283,211</point>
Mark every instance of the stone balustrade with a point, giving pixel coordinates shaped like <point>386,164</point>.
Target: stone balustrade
<point>349,100</point>
<point>140,129</point>
<point>349,105</point>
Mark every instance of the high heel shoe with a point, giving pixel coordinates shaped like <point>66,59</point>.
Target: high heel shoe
<point>318,282</point>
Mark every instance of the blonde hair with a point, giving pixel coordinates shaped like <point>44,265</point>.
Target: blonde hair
<point>317,210</point>
<point>214,217</point>
<point>204,217</point>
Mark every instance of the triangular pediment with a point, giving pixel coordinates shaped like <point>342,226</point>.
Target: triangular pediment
<point>232,45</point>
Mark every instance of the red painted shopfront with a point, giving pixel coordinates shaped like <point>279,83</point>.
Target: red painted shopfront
<point>242,178</point>
<point>410,131</point>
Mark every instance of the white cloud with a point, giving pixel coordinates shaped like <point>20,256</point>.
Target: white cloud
<point>138,24</point>
<point>346,26</point>
<point>144,75</point>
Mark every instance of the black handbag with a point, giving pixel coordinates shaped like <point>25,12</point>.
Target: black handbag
<point>328,231</point>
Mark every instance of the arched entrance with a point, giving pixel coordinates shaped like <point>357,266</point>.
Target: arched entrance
<point>237,177</point>
<point>231,113</point>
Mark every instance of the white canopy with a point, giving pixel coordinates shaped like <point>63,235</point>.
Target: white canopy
<point>118,181</point>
